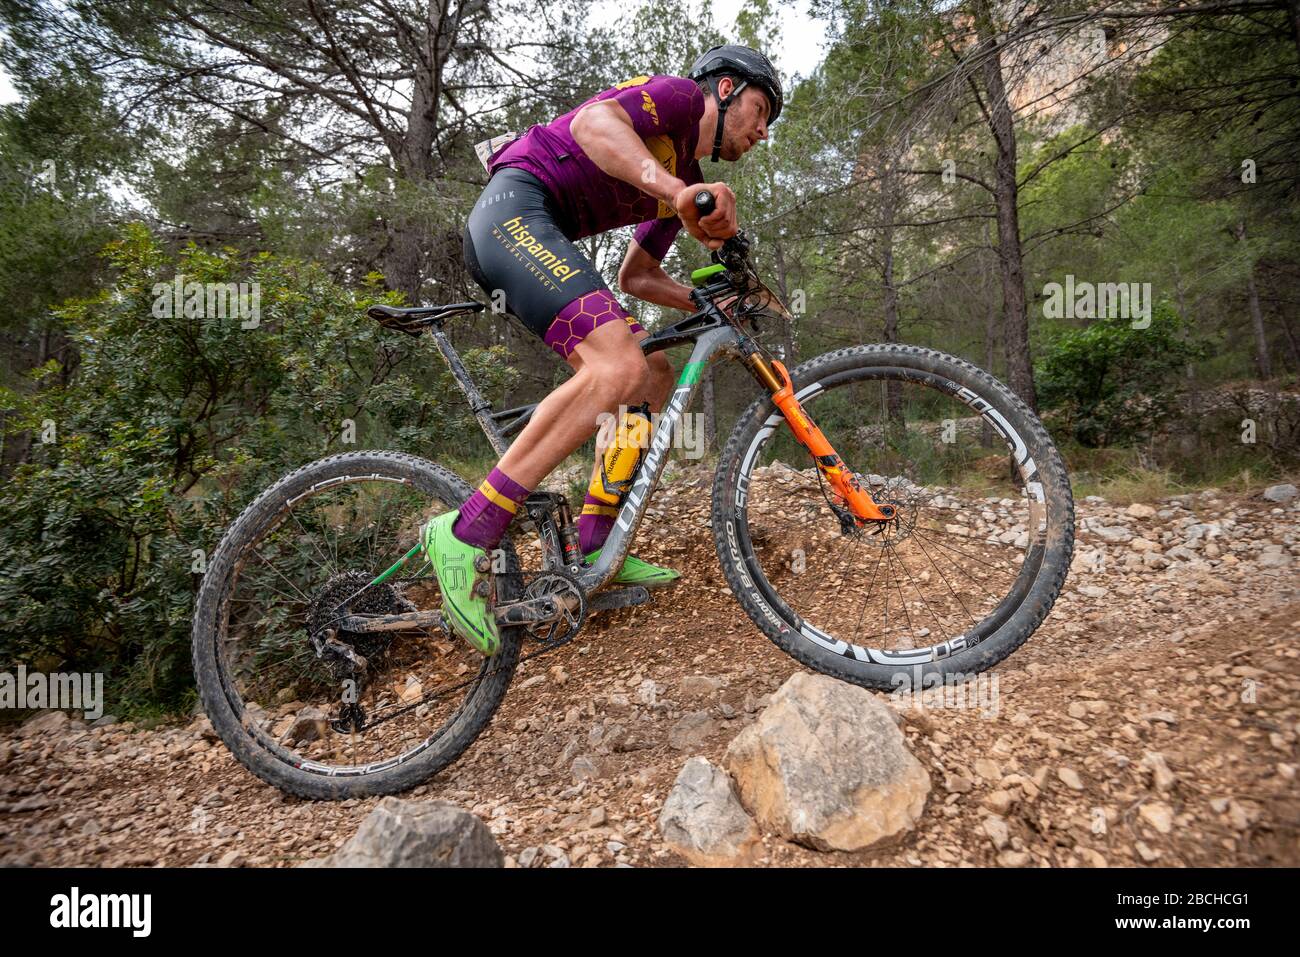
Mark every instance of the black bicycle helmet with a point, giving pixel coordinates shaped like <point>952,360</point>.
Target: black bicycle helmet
<point>749,66</point>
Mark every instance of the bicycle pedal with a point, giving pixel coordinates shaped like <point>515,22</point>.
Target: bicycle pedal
<point>619,598</point>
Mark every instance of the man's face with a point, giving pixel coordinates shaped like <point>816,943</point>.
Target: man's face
<point>746,119</point>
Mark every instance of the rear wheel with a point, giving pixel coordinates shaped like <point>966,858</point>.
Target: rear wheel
<point>962,576</point>
<point>377,712</point>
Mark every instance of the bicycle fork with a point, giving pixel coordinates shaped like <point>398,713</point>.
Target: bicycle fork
<point>843,480</point>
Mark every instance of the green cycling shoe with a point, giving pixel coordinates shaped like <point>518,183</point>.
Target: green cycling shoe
<point>637,572</point>
<point>465,576</point>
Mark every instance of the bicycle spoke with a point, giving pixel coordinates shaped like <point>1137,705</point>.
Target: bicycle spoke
<point>948,584</point>
<point>320,555</point>
<point>329,570</point>
<point>947,547</point>
<point>917,589</point>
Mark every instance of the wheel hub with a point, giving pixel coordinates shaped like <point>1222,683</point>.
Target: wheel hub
<point>347,594</point>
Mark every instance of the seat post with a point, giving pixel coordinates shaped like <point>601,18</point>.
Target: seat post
<point>478,405</point>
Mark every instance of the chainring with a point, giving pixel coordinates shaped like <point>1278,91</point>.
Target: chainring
<point>556,584</point>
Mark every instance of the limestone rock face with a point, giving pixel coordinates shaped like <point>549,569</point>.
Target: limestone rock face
<point>826,766</point>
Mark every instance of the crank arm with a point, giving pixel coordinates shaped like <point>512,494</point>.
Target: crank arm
<point>619,598</point>
<point>533,611</point>
<point>527,612</point>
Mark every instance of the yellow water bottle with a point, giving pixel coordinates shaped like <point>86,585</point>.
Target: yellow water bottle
<point>623,456</point>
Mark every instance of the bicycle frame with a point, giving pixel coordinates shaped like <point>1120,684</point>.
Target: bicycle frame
<point>722,339</point>
<point>715,335</point>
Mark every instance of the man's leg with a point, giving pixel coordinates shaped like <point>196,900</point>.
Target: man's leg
<point>611,371</point>
<point>598,516</point>
<point>512,245</point>
<point>594,334</point>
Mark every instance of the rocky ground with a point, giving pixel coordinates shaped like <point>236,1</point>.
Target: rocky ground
<point>1152,720</point>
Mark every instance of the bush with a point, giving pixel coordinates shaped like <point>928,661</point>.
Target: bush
<point>167,428</point>
<point>1113,384</point>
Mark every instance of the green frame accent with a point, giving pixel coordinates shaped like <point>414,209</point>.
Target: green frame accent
<point>691,373</point>
<point>399,563</point>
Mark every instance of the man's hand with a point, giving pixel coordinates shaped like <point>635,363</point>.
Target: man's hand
<point>718,225</point>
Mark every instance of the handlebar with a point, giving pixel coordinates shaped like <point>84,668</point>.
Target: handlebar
<point>734,253</point>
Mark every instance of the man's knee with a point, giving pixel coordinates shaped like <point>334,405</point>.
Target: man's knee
<point>618,376</point>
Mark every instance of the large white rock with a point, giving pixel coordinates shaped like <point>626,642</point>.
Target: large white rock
<point>401,833</point>
<point>1280,493</point>
<point>826,766</point>
<point>703,821</point>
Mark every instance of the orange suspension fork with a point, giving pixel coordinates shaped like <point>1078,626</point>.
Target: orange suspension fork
<point>840,478</point>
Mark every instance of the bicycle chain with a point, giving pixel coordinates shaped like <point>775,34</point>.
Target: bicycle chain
<point>527,579</point>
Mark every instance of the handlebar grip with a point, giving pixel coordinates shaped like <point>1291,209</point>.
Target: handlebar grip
<point>705,202</point>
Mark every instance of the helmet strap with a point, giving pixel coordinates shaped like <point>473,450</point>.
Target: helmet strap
<point>722,113</point>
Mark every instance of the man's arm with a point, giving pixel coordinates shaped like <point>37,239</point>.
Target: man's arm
<point>607,135</point>
<point>643,276</point>
<point>605,132</point>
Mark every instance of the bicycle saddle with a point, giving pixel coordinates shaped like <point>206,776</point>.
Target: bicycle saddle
<point>413,319</point>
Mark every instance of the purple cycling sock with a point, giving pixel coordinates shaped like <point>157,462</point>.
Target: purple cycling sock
<point>594,523</point>
<point>484,518</point>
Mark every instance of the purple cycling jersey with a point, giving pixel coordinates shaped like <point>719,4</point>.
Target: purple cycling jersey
<point>665,112</point>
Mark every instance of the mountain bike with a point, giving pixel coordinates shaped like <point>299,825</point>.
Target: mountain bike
<point>885,514</point>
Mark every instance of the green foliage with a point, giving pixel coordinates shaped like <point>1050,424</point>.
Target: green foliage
<point>1114,383</point>
<point>55,149</point>
<point>170,426</point>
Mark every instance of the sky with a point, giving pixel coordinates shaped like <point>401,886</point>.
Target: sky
<point>802,35</point>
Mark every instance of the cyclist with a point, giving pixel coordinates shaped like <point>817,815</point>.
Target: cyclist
<point>628,155</point>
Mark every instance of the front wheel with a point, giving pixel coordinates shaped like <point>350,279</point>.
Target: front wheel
<point>963,574</point>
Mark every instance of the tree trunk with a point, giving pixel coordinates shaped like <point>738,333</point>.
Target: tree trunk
<point>990,339</point>
<point>1020,373</point>
<point>893,390</point>
<point>1291,342</point>
<point>1294,13</point>
<point>404,257</point>
<point>1189,368</point>
<point>710,411</point>
<point>1263,360</point>
<point>787,328</point>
